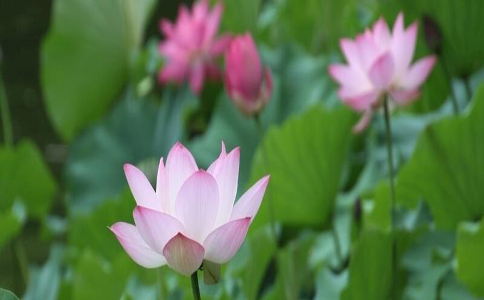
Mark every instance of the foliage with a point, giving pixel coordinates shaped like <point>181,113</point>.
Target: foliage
<point>324,227</point>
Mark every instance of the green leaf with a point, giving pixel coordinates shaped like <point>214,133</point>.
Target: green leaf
<point>469,250</point>
<point>136,131</point>
<point>7,295</point>
<point>330,285</point>
<point>446,168</point>
<point>24,176</point>
<point>297,84</point>
<point>305,158</point>
<point>96,278</point>
<point>85,58</point>
<point>251,261</point>
<point>239,16</point>
<point>11,222</point>
<point>377,212</point>
<point>44,282</point>
<point>370,270</point>
<point>91,231</point>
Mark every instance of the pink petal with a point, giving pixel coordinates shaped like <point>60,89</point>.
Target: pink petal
<point>359,101</point>
<point>197,75</point>
<point>381,72</point>
<point>141,188</point>
<point>350,51</point>
<point>183,254</point>
<point>173,72</point>
<point>418,72</point>
<point>162,187</point>
<point>156,228</point>
<point>227,177</point>
<point>135,246</point>
<point>180,165</point>
<point>404,97</point>
<point>381,32</point>
<point>222,244</point>
<point>197,205</point>
<point>367,48</point>
<point>212,22</point>
<point>403,44</point>
<point>167,28</point>
<point>218,162</point>
<point>363,122</point>
<point>218,46</point>
<point>348,76</point>
<point>248,205</point>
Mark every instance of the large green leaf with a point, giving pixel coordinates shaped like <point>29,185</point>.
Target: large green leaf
<point>136,131</point>
<point>469,251</point>
<point>24,176</point>
<point>446,168</point>
<point>297,84</point>
<point>370,270</point>
<point>86,55</point>
<point>7,295</point>
<point>305,158</point>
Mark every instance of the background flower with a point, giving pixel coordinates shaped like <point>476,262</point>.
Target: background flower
<point>191,46</point>
<point>247,81</point>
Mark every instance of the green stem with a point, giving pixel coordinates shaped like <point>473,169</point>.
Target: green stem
<point>265,162</point>
<point>6,121</point>
<point>392,195</point>
<point>195,287</point>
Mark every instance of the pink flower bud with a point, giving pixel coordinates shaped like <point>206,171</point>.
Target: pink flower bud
<point>247,81</point>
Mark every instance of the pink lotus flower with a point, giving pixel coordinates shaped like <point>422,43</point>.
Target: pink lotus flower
<point>191,47</point>
<point>191,215</point>
<point>379,64</point>
<point>248,83</point>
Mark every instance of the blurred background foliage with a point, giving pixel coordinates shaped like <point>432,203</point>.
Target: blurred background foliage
<point>80,78</point>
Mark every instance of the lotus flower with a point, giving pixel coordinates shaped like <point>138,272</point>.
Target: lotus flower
<point>191,46</point>
<point>248,83</point>
<point>379,63</point>
<point>191,215</point>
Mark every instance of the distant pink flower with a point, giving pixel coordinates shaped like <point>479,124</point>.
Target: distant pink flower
<point>191,215</point>
<point>191,46</point>
<point>379,63</point>
<point>248,83</point>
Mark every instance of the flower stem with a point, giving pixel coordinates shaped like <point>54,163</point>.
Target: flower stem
<point>265,161</point>
<point>195,287</point>
<point>392,195</point>
<point>6,121</point>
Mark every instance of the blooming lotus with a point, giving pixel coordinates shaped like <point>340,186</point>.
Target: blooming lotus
<point>191,46</point>
<point>248,83</point>
<point>379,63</point>
<point>191,216</point>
